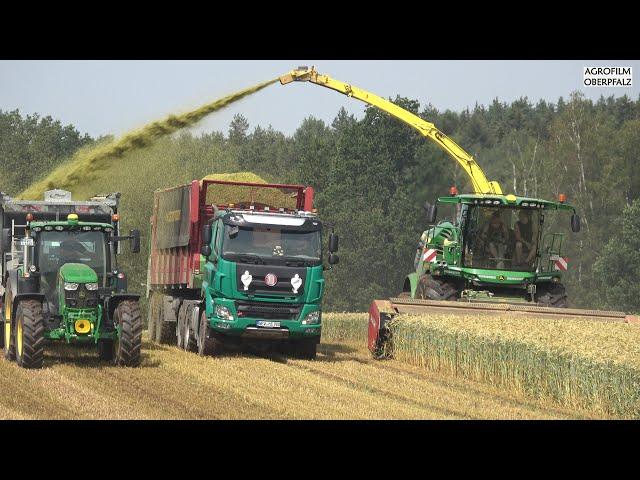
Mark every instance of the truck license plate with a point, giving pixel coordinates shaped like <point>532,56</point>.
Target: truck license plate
<point>264,323</point>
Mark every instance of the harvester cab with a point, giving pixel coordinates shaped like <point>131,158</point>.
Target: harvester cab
<point>61,281</point>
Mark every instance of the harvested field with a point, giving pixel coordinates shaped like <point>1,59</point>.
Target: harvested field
<point>343,383</point>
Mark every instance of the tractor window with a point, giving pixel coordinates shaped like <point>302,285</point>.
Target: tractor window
<point>55,248</point>
<point>449,212</point>
<point>501,238</point>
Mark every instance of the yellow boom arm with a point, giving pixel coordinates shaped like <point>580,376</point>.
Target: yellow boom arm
<point>478,179</point>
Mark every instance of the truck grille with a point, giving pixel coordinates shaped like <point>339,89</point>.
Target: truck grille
<point>280,311</point>
<point>81,298</point>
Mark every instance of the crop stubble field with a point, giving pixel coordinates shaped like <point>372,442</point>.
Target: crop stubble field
<point>343,383</point>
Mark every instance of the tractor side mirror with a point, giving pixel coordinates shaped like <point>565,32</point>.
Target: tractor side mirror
<point>333,258</point>
<point>135,240</point>
<point>6,239</point>
<point>575,223</point>
<point>432,212</point>
<point>333,243</point>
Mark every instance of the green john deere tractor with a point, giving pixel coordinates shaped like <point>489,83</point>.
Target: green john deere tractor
<point>61,282</point>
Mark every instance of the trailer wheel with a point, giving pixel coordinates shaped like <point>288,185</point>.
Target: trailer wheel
<point>304,349</point>
<point>7,333</point>
<point>430,288</point>
<point>129,342</point>
<point>29,334</point>
<point>152,313</point>
<point>552,295</point>
<point>165,331</point>
<point>207,346</point>
<point>105,350</point>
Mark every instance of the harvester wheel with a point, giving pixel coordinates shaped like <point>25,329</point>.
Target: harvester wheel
<point>105,350</point>
<point>430,288</point>
<point>552,295</point>
<point>304,349</point>
<point>29,334</point>
<point>127,346</point>
<point>207,346</point>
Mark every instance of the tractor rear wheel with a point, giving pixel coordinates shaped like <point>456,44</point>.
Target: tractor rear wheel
<point>29,334</point>
<point>129,342</point>
<point>207,347</point>
<point>551,295</point>
<point>431,288</point>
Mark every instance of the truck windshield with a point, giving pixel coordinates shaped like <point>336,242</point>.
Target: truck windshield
<point>272,243</point>
<point>55,248</point>
<point>501,238</point>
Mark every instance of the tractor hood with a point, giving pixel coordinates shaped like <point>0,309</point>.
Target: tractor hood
<point>78,273</point>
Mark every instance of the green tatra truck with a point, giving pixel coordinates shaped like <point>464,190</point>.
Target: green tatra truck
<point>61,281</point>
<point>233,261</point>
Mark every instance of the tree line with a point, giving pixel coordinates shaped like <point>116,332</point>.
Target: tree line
<point>373,174</point>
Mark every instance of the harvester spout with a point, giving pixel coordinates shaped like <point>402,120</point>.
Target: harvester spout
<point>300,74</point>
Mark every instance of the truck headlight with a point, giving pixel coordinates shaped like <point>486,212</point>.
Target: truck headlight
<point>312,318</point>
<point>223,312</point>
<point>70,286</point>
<point>91,286</point>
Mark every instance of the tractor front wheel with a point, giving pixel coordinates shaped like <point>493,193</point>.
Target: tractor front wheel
<point>431,288</point>
<point>126,351</point>
<point>29,334</point>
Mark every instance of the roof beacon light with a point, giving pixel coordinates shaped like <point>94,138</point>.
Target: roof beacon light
<point>29,217</point>
<point>71,218</point>
<point>115,217</point>
<point>453,191</point>
<point>562,198</point>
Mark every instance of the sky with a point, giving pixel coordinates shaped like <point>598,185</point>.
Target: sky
<point>112,96</point>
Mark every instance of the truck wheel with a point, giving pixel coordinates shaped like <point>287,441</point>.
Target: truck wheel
<point>7,333</point>
<point>105,350</point>
<point>126,351</point>
<point>551,295</point>
<point>207,346</point>
<point>304,349</point>
<point>29,334</point>
<point>190,341</point>
<point>430,288</point>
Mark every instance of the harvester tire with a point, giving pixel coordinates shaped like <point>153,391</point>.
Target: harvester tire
<point>304,349</point>
<point>207,347</point>
<point>430,288</point>
<point>127,347</point>
<point>552,295</point>
<point>29,334</point>
<point>105,350</point>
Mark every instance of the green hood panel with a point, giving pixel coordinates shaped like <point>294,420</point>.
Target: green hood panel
<point>78,273</point>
